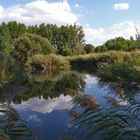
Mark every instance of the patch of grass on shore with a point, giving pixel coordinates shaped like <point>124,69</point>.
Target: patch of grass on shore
<point>49,62</point>
<point>93,61</point>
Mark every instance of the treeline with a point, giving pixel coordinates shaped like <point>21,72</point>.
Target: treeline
<point>120,44</point>
<point>64,40</point>
<point>22,41</point>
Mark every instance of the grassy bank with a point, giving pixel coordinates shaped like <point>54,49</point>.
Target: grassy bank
<point>93,61</point>
<point>114,66</point>
<point>105,64</point>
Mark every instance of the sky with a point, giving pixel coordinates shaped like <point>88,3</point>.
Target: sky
<point>101,19</point>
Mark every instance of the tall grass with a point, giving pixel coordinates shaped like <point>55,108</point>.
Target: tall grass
<point>115,66</point>
<point>49,62</point>
<point>93,61</point>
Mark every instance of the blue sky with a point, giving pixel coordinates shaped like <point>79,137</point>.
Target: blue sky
<point>103,19</point>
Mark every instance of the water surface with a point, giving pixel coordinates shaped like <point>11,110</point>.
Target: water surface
<point>49,103</point>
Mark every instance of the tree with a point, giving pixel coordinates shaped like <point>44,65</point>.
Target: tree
<point>117,44</point>
<point>72,37</point>
<point>89,48</point>
<point>5,38</point>
<point>137,45</point>
<point>30,44</point>
<point>63,38</point>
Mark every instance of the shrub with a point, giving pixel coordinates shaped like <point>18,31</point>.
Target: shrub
<point>66,52</point>
<point>89,48</point>
<point>48,62</point>
<point>30,44</point>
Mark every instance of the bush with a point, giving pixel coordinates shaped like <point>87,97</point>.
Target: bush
<point>66,52</point>
<point>30,44</point>
<point>48,62</point>
<point>89,48</point>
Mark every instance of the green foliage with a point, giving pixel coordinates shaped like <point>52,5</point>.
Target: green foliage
<point>118,44</point>
<point>10,71</point>
<point>66,52</point>
<point>119,72</point>
<point>51,85</point>
<point>89,48</point>
<point>6,67</point>
<point>49,62</point>
<point>5,39</point>
<point>93,61</point>
<point>70,36</point>
<point>30,44</point>
<point>71,82</point>
<point>16,29</point>
<point>66,39</point>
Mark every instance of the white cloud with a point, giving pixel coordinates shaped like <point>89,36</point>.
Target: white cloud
<point>33,117</point>
<point>98,36</point>
<point>91,80</point>
<point>59,13</point>
<point>87,25</point>
<point>77,5</point>
<point>47,106</point>
<point>39,11</point>
<point>121,6</point>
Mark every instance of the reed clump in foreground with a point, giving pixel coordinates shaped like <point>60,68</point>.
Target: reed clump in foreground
<point>48,62</point>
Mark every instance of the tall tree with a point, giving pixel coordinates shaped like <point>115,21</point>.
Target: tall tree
<point>5,38</point>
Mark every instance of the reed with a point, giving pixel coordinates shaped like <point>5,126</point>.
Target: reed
<point>48,62</point>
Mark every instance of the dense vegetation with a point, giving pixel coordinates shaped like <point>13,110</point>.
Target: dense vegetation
<point>24,48</point>
<point>120,44</point>
<point>38,58</point>
<point>64,40</point>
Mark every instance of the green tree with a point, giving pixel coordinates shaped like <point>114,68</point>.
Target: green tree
<point>5,38</point>
<point>89,48</point>
<point>30,44</point>
<point>117,44</point>
<point>71,36</point>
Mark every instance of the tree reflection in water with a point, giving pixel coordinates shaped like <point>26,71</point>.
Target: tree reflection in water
<point>49,86</point>
<point>119,122</point>
<point>46,85</point>
<point>70,83</point>
<point>126,91</point>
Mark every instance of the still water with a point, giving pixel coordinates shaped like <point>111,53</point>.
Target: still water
<point>50,105</point>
